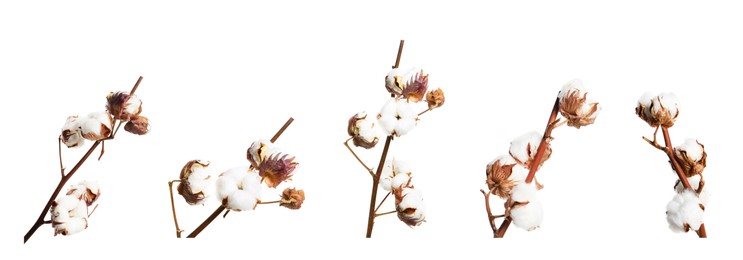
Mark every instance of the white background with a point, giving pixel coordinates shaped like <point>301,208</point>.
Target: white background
<point>219,75</point>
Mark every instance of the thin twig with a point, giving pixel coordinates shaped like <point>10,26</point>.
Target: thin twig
<point>178,230</point>
<point>375,185</point>
<point>269,202</point>
<point>424,111</point>
<point>92,211</point>
<point>61,167</point>
<point>281,131</point>
<point>385,213</point>
<point>382,202</point>
<point>357,157</point>
<point>491,219</point>
<point>399,54</point>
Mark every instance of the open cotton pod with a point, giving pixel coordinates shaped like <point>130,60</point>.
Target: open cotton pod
<point>397,117</point>
<point>239,189</point>
<point>72,135</point>
<point>196,182</point>
<point>363,130</point>
<point>96,125</point>
<point>524,149</point>
<point>123,106</point>
<point>575,107</point>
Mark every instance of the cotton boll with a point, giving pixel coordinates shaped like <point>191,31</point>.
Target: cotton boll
<point>80,210</point>
<point>668,101</point>
<point>387,117</point>
<point>529,216</point>
<point>410,207</point>
<point>573,85</point>
<point>692,148</point>
<point>647,98</point>
<point>252,183</point>
<point>684,211</point>
<point>200,180</point>
<point>395,81</point>
<point>228,181</point>
<point>405,125</point>
<point>400,181</point>
<point>524,192</point>
<point>96,125</point>
<point>241,200</point>
<point>60,214</point>
<point>72,226</point>
<point>71,135</point>
<point>259,151</point>
<point>524,149</point>
<point>68,202</point>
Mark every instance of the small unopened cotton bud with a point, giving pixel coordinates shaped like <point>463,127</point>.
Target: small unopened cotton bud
<point>277,168</point>
<point>691,157</point>
<point>658,110</point>
<point>258,152</point>
<point>123,106</point>
<point>397,117</point>
<point>71,133</point>
<point>410,207</point>
<point>435,98</point>
<point>96,126</point>
<point>196,181</point>
<point>684,212</point>
<point>138,125</point>
<point>292,198</point>
<point>574,105</point>
<point>499,172</point>
<point>524,149</point>
<point>239,189</point>
<point>363,131</point>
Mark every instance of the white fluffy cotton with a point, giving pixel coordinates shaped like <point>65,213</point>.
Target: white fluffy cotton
<point>573,85</point>
<point>693,149</point>
<point>392,83</point>
<point>397,117</point>
<point>668,101</point>
<point>240,187</point>
<point>201,180</point>
<point>368,130</point>
<point>412,199</point>
<point>392,174</point>
<point>71,134</point>
<point>259,151</point>
<point>647,98</point>
<point>96,125</point>
<point>527,216</point>
<point>525,146</point>
<point>69,215</point>
<point>71,226</point>
<point>684,209</point>
<point>694,182</point>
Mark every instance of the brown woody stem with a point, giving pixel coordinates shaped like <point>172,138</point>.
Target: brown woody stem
<point>357,157</point>
<point>206,222</point>
<point>375,185</point>
<point>178,230</point>
<point>269,202</point>
<point>551,124</point>
<point>399,54</point>
<point>222,208</point>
